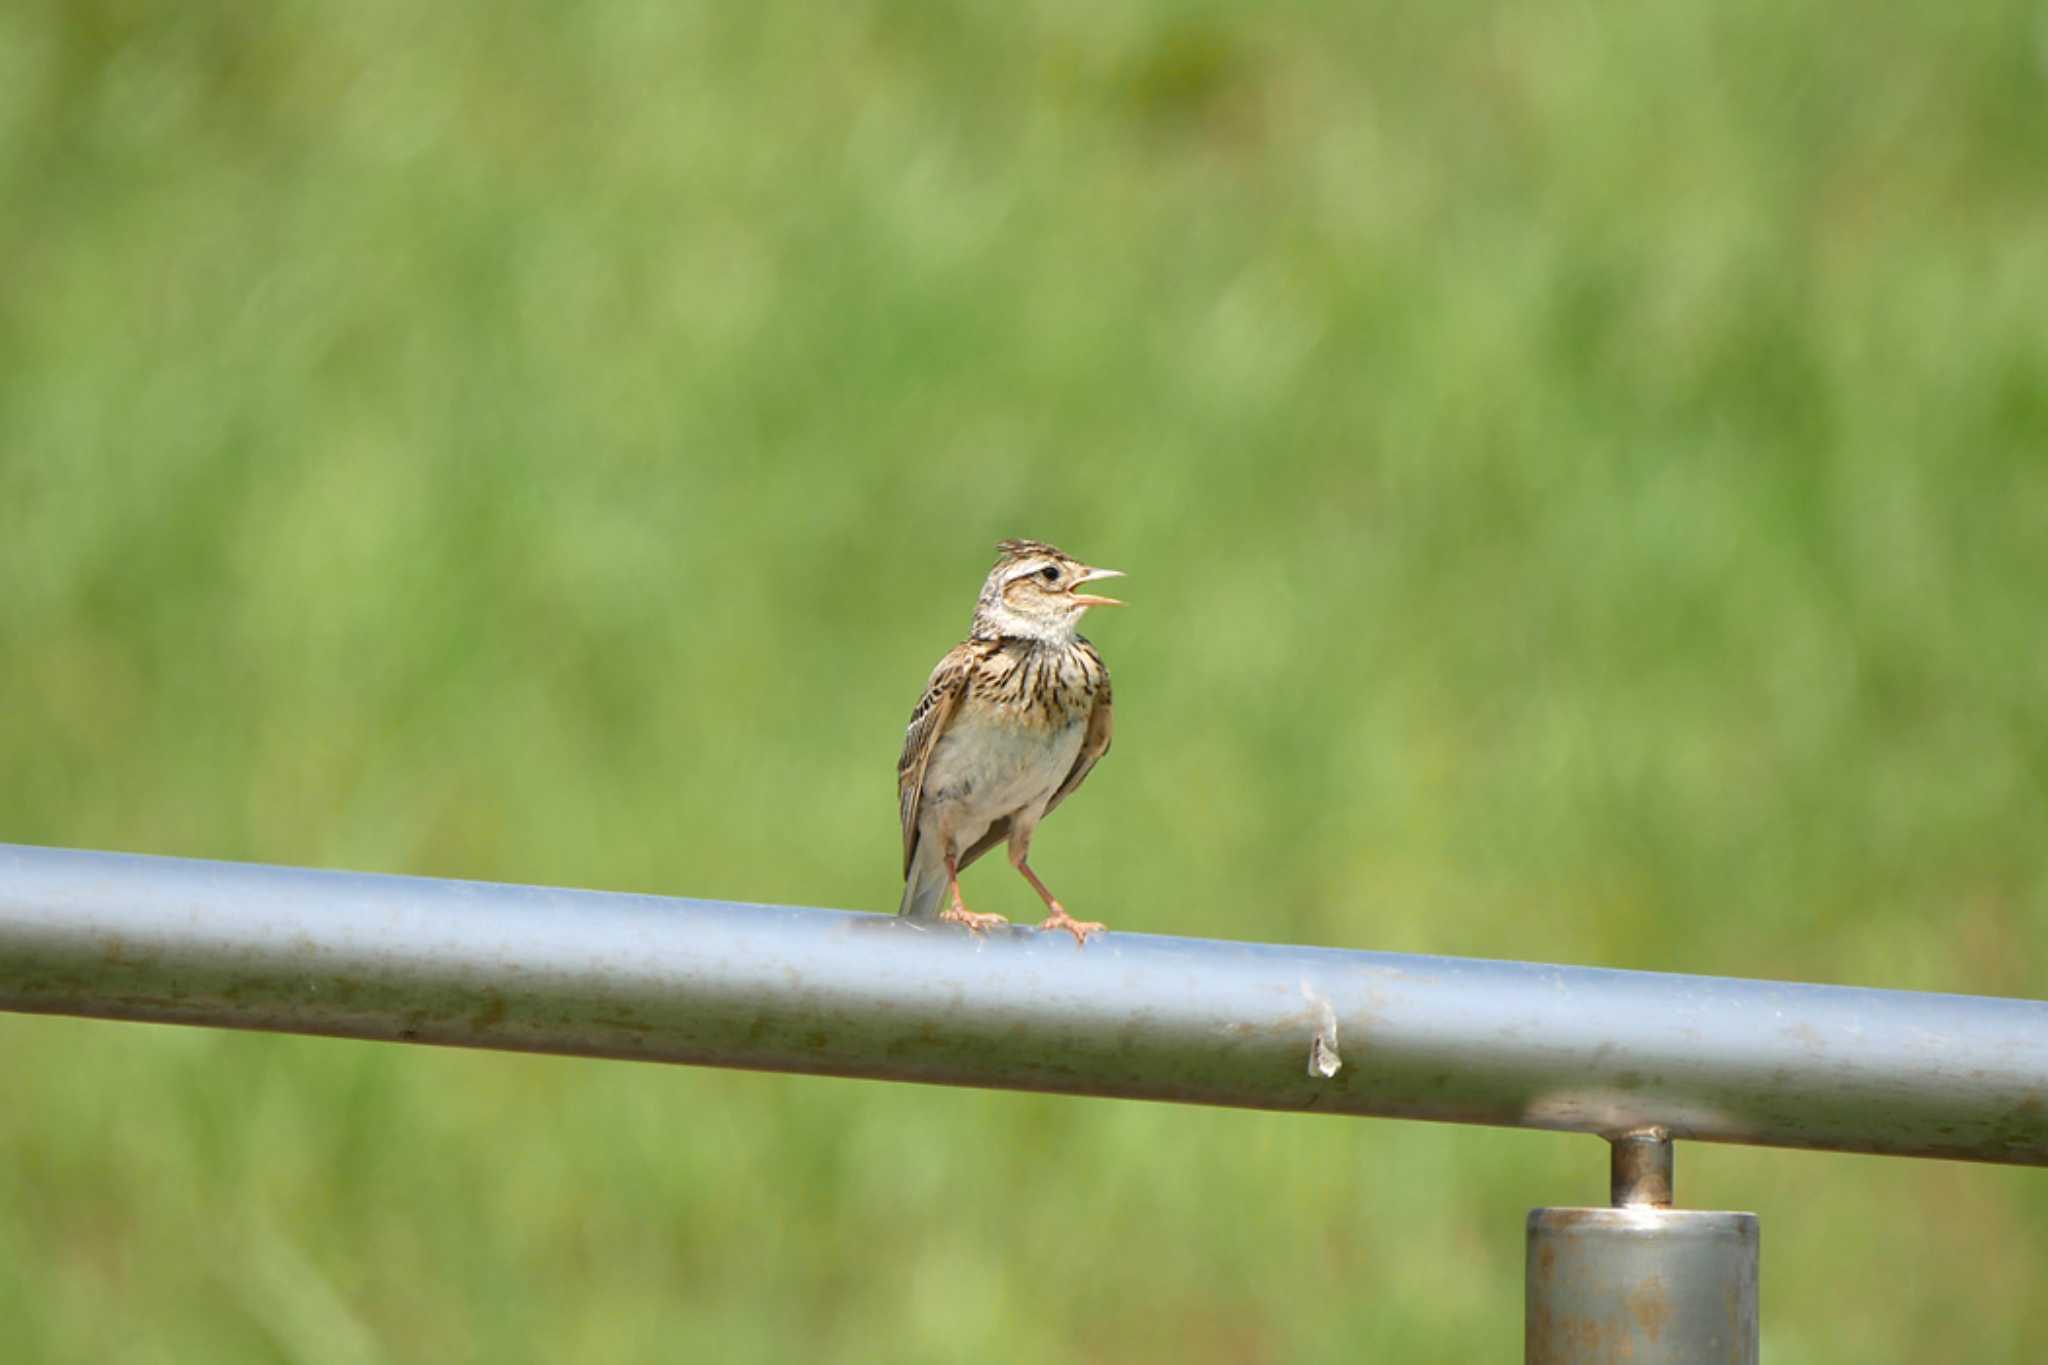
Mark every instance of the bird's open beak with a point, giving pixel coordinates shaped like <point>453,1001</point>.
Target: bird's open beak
<point>1090,599</point>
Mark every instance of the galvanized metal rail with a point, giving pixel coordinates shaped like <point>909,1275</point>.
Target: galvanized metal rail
<point>1638,1058</point>
<point>121,936</point>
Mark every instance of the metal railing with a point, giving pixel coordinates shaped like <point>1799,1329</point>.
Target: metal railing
<point>1638,1058</point>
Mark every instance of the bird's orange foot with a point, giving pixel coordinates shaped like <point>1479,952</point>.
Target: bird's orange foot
<point>1079,928</point>
<point>960,914</point>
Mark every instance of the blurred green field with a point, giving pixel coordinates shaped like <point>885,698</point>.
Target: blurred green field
<point>1583,474</point>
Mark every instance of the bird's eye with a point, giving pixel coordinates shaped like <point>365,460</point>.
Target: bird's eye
<point>1050,573</point>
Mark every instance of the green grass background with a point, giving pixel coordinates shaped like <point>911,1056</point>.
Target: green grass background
<point>1583,473</point>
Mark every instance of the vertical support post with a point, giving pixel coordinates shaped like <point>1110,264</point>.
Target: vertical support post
<point>1641,1281</point>
<point>1640,1169</point>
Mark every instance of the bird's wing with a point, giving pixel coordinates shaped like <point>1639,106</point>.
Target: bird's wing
<point>942,696</point>
<point>1095,743</point>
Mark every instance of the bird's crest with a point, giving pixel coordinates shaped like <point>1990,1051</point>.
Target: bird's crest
<point>1025,549</point>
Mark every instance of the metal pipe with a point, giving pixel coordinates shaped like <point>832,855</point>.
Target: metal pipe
<point>121,936</point>
<point>1648,1286</point>
<point>1640,1170</point>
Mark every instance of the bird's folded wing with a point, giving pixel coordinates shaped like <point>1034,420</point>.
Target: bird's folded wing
<point>942,696</point>
<point>1094,743</point>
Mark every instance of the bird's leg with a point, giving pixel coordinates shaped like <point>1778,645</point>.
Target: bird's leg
<point>1059,919</point>
<point>958,912</point>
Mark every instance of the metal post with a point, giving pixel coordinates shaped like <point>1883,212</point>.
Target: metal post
<point>1640,1169</point>
<point>1641,1281</point>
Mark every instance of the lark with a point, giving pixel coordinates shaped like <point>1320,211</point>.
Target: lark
<point>1013,720</point>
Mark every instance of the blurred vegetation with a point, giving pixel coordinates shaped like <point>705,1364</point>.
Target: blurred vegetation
<point>1583,474</point>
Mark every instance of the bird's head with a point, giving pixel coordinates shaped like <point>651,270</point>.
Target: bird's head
<point>1034,590</point>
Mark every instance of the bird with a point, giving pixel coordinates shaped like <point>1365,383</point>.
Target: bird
<point>1011,723</point>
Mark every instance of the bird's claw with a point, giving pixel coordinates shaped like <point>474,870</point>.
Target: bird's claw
<point>1079,928</point>
<point>975,922</point>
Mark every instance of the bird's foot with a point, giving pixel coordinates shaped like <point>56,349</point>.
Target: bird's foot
<point>960,914</point>
<point>1079,928</point>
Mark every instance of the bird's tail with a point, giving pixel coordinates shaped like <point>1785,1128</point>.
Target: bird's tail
<point>925,887</point>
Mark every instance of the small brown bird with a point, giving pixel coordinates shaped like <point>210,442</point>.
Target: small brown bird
<point>1012,721</point>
